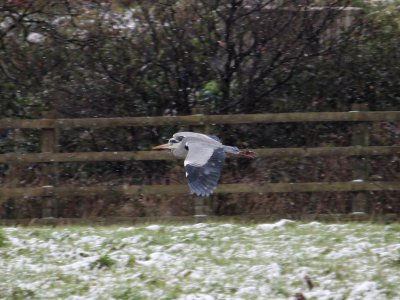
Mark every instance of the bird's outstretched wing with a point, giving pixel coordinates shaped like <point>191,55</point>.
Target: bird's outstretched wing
<point>203,166</point>
<point>214,137</point>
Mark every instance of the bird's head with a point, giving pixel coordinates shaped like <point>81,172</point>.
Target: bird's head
<point>172,144</point>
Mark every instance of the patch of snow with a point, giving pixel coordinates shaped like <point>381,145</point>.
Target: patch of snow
<point>270,271</point>
<point>6,24</point>
<point>335,227</point>
<point>161,257</point>
<point>279,224</point>
<point>367,290</point>
<point>92,240</point>
<point>311,224</point>
<point>35,38</point>
<point>226,226</point>
<point>342,253</point>
<point>203,261</point>
<point>61,21</point>
<point>199,225</point>
<point>121,21</point>
<point>247,291</point>
<point>80,265</point>
<point>154,227</point>
<point>196,297</point>
<point>322,294</point>
<point>177,247</point>
<point>10,229</point>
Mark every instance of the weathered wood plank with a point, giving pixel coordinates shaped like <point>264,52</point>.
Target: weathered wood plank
<point>328,151</point>
<point>69,191</point>
<point>360,136</point>
<point>49,171</point>
<point>253,218</point>
<point>158,155</point>
<point>204,119</point>
<point>85,156</point>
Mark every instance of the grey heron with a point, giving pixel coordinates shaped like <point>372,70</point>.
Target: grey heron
<point>204,157</point>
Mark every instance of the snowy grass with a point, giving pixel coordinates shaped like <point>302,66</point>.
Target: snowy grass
<point>202,261</point>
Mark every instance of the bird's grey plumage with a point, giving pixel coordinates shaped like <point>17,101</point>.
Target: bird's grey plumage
<point>203,179</point>
<point>204,158</point>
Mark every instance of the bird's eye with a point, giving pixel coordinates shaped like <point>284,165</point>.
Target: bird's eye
<point>180,138</point>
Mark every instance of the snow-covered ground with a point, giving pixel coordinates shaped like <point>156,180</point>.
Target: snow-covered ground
<point>202,261</point>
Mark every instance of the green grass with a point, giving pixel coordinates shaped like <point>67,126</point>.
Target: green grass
<point>218,261</point>
<point>103,261</point>
<point>2,239</point>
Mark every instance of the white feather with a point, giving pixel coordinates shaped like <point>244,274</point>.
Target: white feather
<point>199,153</point>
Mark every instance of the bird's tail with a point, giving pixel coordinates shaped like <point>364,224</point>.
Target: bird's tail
<point>231,149</point>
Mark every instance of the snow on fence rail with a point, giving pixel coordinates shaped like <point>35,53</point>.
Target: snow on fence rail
<point>49,124</point>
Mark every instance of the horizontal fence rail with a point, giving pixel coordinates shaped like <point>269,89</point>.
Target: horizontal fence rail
<point>158,155</point>
<point>352,116</point>
<point>49,190</point>
<point>176,189</point>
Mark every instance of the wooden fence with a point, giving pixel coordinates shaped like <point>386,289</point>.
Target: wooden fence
<point>50,127</point>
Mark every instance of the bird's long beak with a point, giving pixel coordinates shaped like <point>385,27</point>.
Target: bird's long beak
<point>161,147</point>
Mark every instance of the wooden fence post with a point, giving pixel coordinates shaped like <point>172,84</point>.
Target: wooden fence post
<point>13,177</point>
<point>360,137</point>
<point>49,171</point>
<point>202,206</point>
<point>201,209</point>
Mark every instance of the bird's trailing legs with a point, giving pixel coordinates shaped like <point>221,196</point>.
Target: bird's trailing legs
<point>247,154</point>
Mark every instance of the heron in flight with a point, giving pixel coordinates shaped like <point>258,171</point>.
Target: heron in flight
<point>204,158</point>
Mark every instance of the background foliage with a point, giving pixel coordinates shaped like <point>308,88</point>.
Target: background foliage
<point>143,58</point>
